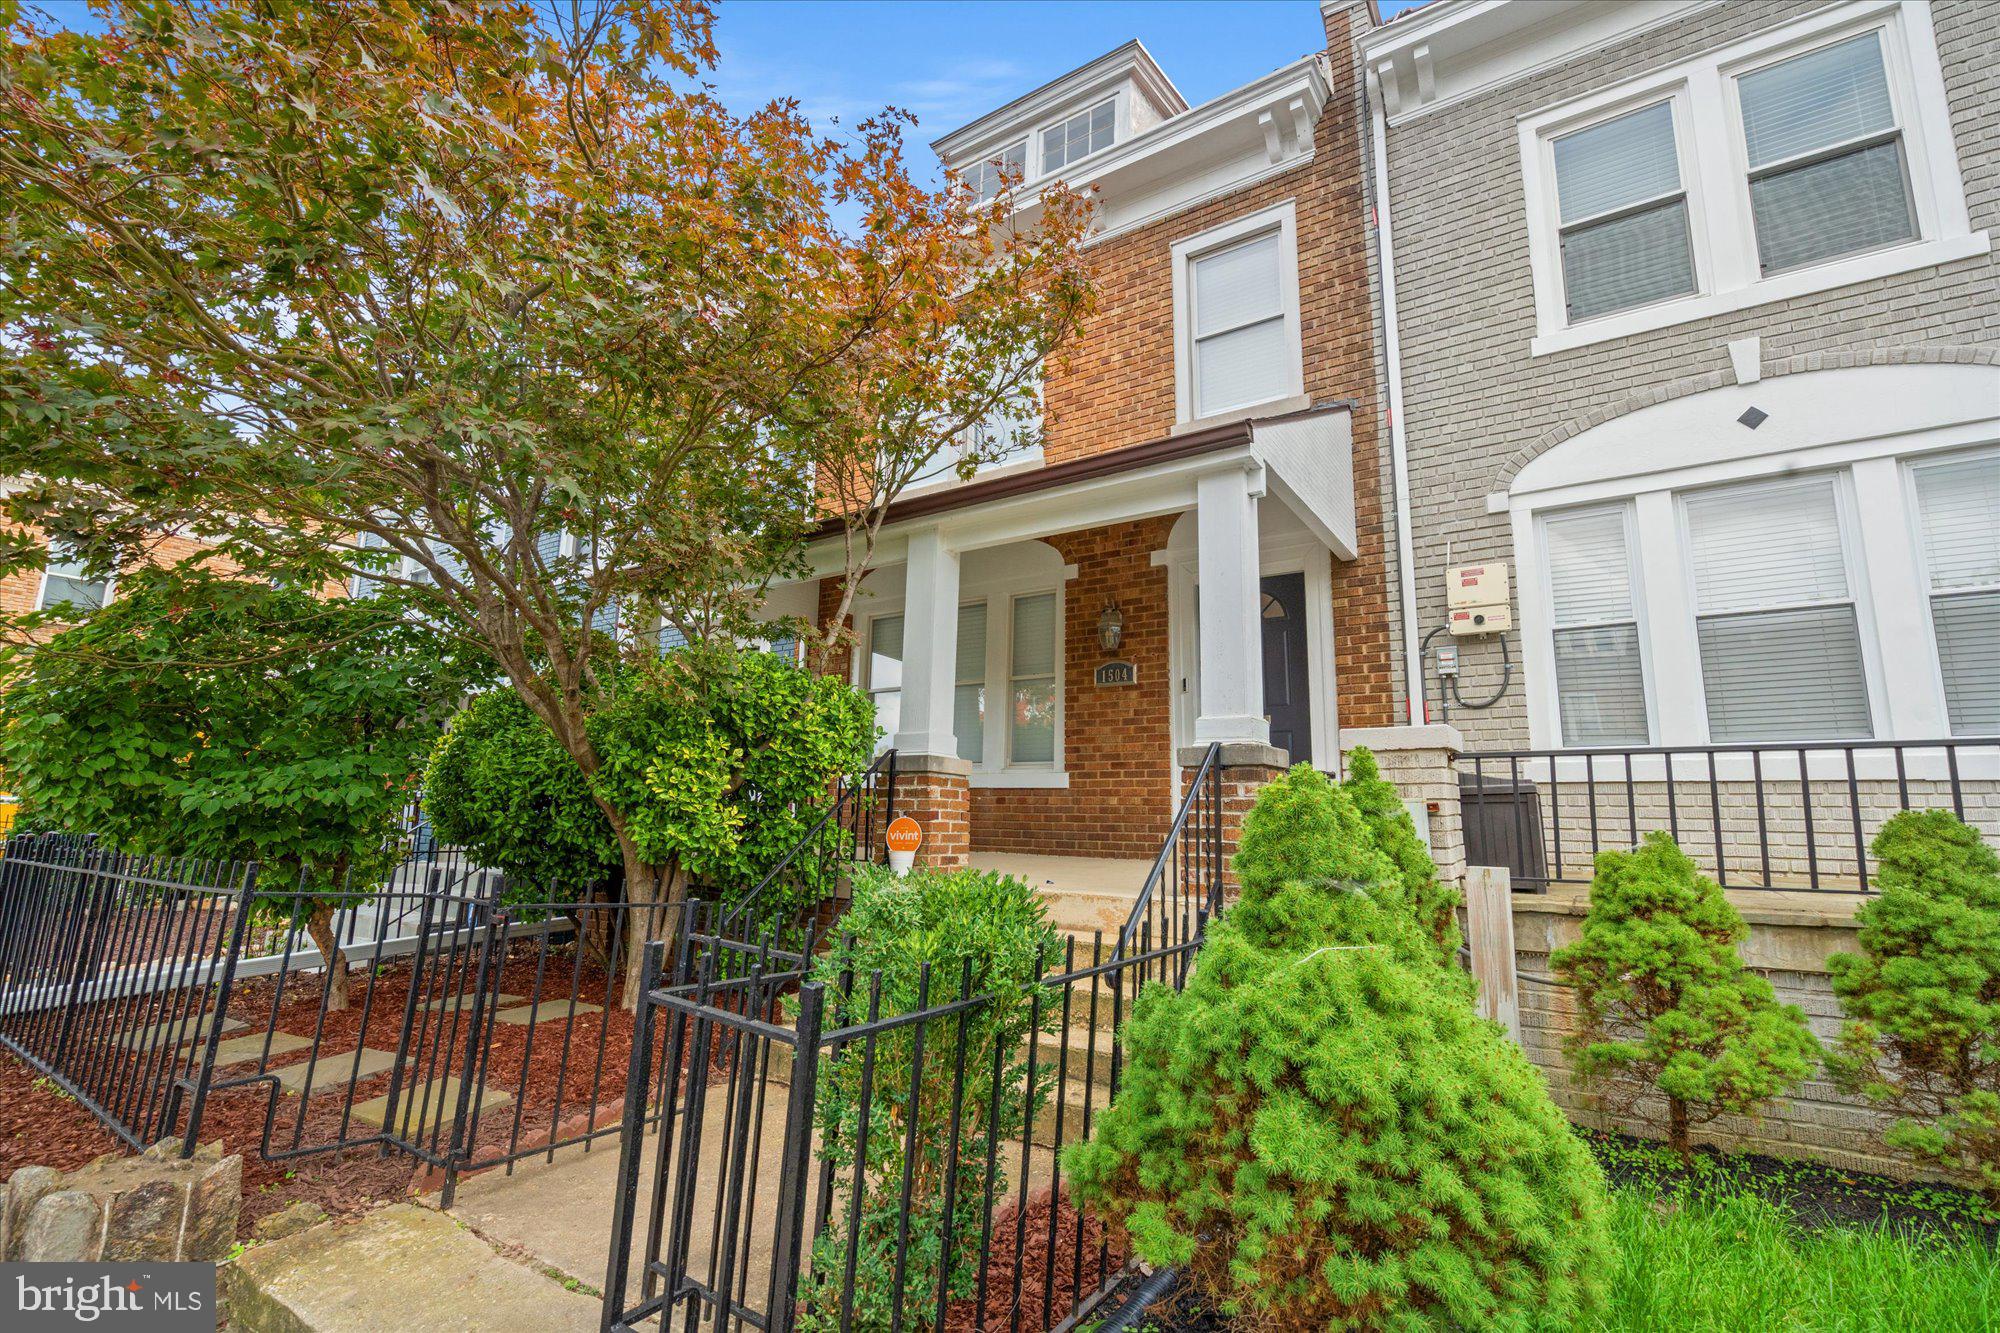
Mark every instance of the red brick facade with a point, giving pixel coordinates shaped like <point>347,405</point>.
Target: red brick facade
<point>937,801</point>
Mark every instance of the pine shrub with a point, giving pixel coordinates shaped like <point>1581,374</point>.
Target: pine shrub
<point>1664,1003</point>
<point>1321,1131</point>
<point>1923,995</point>
<point>1387,819</point>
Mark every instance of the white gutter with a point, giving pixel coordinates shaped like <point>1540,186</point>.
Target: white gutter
<point>1399,451</point>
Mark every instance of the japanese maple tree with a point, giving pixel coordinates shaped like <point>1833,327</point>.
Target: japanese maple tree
<point>493,302</point>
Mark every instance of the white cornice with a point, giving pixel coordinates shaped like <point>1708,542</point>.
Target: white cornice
<point>1085,83</point>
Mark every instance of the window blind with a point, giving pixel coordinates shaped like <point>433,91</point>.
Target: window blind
<point>1622,214</point>
<point>548,547</point>
<point>1600,676</point>
<point>1827,176</point>
<point>1775,624</point>
<point>363,585</point>
<point>1238,335</point>
<point>885,675</point>
<point>1032,671</point>
<point>1959,510</point>
<point>968,701</point>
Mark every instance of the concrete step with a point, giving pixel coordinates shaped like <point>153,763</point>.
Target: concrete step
<point>401,1267</point>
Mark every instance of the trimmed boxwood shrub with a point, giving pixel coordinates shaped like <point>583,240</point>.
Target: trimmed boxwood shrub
<point>1923,995</point>
<point>1664,1004</point>
<point>1321,1131</point>
<point>986,933</point>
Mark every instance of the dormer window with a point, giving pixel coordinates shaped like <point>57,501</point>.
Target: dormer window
<point>1079,136</point>
<point>988,178</point>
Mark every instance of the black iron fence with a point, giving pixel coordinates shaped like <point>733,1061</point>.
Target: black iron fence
<point>108,965</point>
<point>1798,817</point>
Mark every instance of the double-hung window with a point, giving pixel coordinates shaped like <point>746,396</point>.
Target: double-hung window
<point>1003,170</point>
<point>1079,136</point>
<point>1031,739</point>
<point>1600,673</point>
<point>1958,513</point>
<point>1236,297</point>
<point>968,696</point>
<point>885,675</point>
<point>1623,214</point>
<point>67,583</point>
<point>1827,170</point>
<point>1776,623</point>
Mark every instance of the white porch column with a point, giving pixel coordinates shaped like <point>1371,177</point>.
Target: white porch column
<point>930,646</point>
<point>1232,632</point>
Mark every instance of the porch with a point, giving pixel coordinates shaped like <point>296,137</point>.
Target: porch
<point>1045,648</point>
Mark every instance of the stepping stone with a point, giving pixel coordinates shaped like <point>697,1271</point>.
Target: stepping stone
<point>239,1049</point>
<point>442,1092</point>
<point>334,1071</point>
<point>195,1030</point>
<point>464,1001</point>
<point>541,1013</point>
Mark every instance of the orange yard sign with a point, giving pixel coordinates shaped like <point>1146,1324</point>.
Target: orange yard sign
<point>904,834</point>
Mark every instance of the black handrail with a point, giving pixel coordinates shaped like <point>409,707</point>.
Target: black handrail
<point>1204,788</point>
<point>883,767</point>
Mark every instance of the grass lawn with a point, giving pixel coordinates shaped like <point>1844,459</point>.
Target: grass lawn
<point>1716,1263</point>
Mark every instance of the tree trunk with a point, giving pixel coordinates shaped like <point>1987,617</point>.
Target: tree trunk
<point>319,925</point>
<point>1677,1128</point>
<point>654,895</point>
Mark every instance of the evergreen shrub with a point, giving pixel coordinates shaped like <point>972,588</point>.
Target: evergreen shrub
<point>1923,995</point>
<point>1664,1003</point>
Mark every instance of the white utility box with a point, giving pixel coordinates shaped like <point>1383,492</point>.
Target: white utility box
<point>1477,599</point>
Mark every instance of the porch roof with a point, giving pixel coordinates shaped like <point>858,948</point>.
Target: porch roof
<point>1313,471</point>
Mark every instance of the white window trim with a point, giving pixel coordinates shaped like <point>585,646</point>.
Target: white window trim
<point>1544,575</point>
<point>1906,688</point>
<point>1925,630</point>
<point>1040,138</point>
<point>42,585</point>
<point>999,595</point>
<point>1714,170</point>
<point>1284,217</point>
<point>1026,143</point>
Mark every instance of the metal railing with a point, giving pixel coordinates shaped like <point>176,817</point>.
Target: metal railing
<point>1777,816</point>
<point>813,872</point>
<point>1184,886</point>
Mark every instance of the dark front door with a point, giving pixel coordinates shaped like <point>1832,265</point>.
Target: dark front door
<point>1287,696</point>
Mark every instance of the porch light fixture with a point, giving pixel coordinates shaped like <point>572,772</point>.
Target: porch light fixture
<point>1110,627</point>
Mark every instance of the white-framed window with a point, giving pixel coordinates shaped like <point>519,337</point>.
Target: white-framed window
<point>1812,156</point>
<point>1958,522</point>
<point>882,674</point>
<point>65,582</point>
<point>968,697</point>
<point>1622,213</point>
<point>1596,633</point>
<point>1826,170</point>
<point>1033,701</point>
<point>1007,167</point>
<point>1079,136</point>
<point>1777,622</point>
<point>1236,316</point>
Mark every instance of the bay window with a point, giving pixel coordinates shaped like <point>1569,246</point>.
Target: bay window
<point>1958,517</point>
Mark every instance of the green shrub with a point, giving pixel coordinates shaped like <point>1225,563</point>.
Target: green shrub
<point>1665,1004</point>
<point>1923,995</point>
<point>1320,1130</point>
<point>1435,904</point>
<point>720,760</point>
<point>972,933</point>
<point>1333,1139</point>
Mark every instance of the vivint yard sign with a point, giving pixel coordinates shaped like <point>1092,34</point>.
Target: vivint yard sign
<point>157,1298</point>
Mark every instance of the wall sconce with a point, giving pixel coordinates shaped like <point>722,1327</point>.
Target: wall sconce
<point>1110,627</point>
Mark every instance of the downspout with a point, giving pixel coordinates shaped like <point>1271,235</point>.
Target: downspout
<point>1399,451</point>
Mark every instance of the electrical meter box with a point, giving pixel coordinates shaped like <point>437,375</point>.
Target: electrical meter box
<point>1476,599</point>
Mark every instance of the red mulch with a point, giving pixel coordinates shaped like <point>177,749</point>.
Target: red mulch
<point>1037,1259</point>
<point>527,1062</point>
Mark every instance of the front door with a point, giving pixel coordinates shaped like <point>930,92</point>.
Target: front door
<point>1287,700</point>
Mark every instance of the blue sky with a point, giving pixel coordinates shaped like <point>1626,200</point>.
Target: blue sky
<point>949,61</point>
